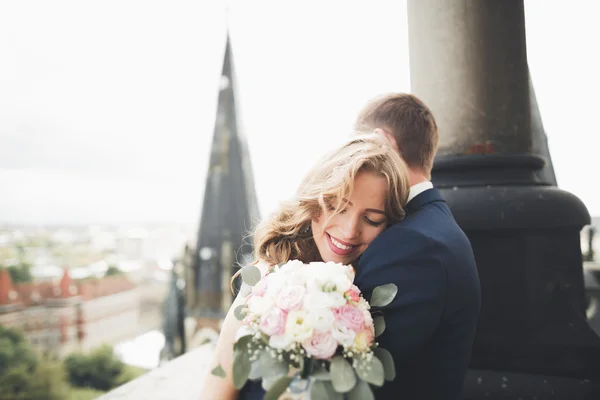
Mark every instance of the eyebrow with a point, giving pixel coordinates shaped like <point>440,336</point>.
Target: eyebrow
<point>373,210</point>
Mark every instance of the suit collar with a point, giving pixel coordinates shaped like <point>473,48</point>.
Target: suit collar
<point>425,197</point>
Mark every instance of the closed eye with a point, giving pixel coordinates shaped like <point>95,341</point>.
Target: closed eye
<point>374,223</point>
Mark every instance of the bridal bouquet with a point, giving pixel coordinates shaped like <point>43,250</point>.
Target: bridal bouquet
<point>307,330</point>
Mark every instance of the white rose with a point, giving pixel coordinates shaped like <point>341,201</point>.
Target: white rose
<point>298,327</point>
<point>260,304</point>
<point>316,300</point>
<point>244,330</point>
<point>291,266</point>
<point>343,335</point>
<point>290,297</point>
<point>275,282</point>
<point>281,342</point>
<point>321,319</point>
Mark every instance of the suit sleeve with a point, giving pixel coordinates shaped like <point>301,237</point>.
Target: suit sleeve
<point>411,261</point>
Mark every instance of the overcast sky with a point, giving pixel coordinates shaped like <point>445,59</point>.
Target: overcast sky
<point>107,108</point>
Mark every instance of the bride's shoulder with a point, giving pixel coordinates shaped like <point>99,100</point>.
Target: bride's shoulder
<point>263,267</point>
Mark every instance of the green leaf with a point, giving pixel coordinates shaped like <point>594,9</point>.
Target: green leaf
<point>278,388</point>
<point>379,324</point>
<point>322,390</point>
<point>251,275</point>
<point>240,312</point>
<point>362,391</point>
<point>388,363</point>
<point>343,377</point>
<point>242,343</point>
<point>241,368</point>
<point>371,372</point>
<point>271,367</point>
<point>320,373</point>
<point>383,295</point>
<point>218,371</point>
<point>255,371</point>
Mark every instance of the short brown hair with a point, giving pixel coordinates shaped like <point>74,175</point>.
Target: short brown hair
<point>409,121</point>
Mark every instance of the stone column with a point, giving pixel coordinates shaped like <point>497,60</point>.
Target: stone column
<point>468,63</point>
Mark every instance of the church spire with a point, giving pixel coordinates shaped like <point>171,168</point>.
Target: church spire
<point>229,209</point>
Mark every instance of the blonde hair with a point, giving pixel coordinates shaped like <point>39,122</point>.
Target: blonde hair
<point>286,234</point>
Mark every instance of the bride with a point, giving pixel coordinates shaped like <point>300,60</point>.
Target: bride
<point>341,206</point>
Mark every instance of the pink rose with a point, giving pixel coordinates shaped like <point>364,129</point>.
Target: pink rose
<point>290,297</point>
<point>353,294</point>
<point>349,316</point>
<point>321,345</point>
<point>260,288</point>
<point>273,322</point>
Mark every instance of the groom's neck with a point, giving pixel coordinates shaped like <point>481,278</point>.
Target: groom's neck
<point>416,176</point>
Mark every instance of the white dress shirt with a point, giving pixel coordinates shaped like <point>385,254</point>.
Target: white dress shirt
<point>418,189</point>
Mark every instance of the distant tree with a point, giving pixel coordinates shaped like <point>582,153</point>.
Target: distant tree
<point>23,375</point>
<point>20,273</point>
<point>100,369</point>
<point>112,270</point>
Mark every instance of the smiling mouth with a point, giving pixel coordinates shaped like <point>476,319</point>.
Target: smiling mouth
<point>340,248</point>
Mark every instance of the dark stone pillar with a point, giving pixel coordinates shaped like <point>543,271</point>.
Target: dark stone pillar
<point>468,63</point>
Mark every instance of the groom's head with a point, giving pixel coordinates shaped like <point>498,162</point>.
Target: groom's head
<point>408,123</point>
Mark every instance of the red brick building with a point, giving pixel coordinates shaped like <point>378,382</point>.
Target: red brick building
<point>61,317</point>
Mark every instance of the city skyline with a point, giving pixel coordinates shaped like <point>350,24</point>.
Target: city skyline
<point>107,111</point>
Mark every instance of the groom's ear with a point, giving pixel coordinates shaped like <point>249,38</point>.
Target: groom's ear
<point>388,136</point>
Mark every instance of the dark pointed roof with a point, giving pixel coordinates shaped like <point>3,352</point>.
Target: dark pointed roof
<point>230,208</point>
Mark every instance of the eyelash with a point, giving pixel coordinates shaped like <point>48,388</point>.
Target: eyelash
<point>370,222</point>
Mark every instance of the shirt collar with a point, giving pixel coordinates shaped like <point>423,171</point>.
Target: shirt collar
<point>419,188</point>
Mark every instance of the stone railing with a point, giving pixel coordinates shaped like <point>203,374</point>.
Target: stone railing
<point>180,379</point>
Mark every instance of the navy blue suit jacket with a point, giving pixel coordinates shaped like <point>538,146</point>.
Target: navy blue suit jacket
<point>431,323</point>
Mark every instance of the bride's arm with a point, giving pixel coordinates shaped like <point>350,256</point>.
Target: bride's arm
<point>222,388</point>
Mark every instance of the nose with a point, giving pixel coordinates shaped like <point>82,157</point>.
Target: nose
<point>350,228</point>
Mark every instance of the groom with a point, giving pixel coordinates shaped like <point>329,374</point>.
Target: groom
<point>431,322</point>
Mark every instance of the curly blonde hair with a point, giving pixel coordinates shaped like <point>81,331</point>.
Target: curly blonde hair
<point>286,234</point>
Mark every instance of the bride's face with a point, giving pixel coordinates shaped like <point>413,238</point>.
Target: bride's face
<point>344,237</point>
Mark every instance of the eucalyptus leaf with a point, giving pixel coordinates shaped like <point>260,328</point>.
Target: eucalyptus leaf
<point>321,390</point>
<point>255,371</point>
<point>240,312</point>
<point>242,343</point>
<point>383,295</point>
<point>218,371</point>
<point>320,373</point>
<point>278,388</point>
<point>379,324</point>
<point>388,363</point>
<point>343,377</point>
<point>373,373</point>
<point>362,391</point>
<point>251,275</point>
<point>271,367</point>
<point>241,368</point>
